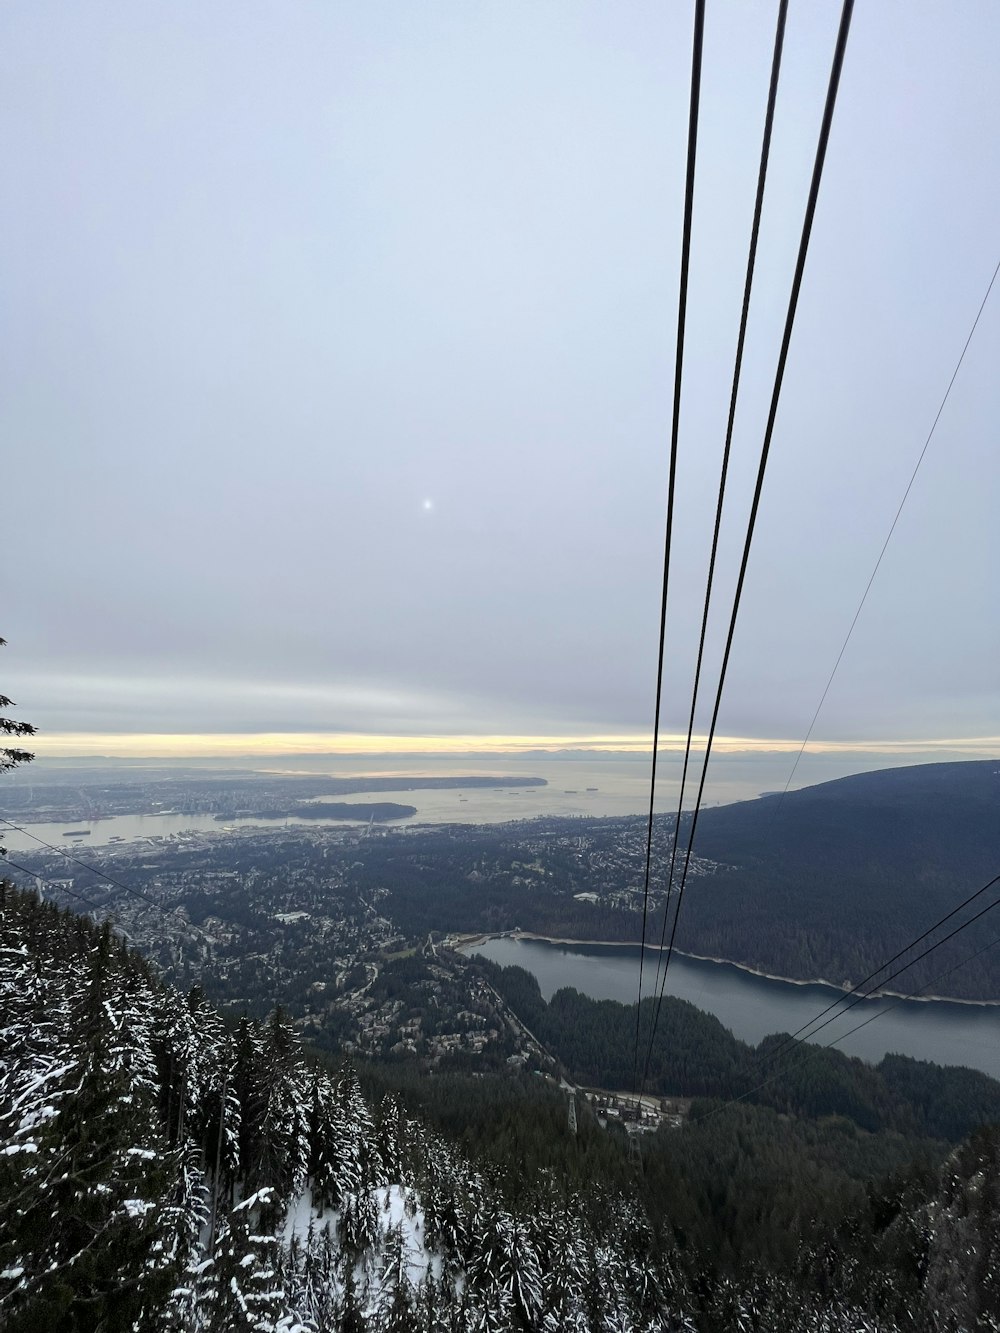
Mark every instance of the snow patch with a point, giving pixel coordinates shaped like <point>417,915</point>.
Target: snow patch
<point>397,1209</point>
<point>137,1208</point>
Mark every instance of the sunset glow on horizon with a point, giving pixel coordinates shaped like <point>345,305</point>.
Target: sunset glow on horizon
<point>79,745</point>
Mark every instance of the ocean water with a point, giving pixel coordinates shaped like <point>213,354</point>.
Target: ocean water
<point>588,784</point>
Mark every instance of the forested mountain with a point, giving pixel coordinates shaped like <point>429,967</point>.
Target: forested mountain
<point>830,880</point>
<point>162,1170</point>
<point>822,883</point>
<point>826,882</point>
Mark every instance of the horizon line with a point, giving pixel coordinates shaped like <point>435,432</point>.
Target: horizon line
<point>250,745</point>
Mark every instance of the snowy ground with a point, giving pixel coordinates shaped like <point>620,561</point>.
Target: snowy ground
<point>398,1208</point>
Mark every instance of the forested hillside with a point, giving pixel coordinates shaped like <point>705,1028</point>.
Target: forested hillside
<point>830,880</point>
<point>823,883</point>
<point>692,1054</point>
<point>160,1170</point>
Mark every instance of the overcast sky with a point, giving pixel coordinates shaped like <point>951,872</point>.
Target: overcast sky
<point>337,348</point>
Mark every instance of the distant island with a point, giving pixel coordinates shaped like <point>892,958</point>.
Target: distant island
<point>400,782</point>
<point>382,812</point>
<point>229,795</point>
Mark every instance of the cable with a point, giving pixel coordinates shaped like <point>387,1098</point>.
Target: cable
<point>765,151</point>
<point>697,45</point>
<point>61,851</point>
<point>888,963</point>
<point>108,879</point>
<point>59,888</point>
<point>930,435</point>
<point>818,1050</point>
<point>906,966</point>
<point>885,544</point>
<point>817,175</point>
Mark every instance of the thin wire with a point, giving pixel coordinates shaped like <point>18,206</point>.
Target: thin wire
<point>692,147</point>
<point>885,544</point>
<point>888,963</point>
<point>824,138</point>
<point>765,151</point>
<point>906,966</point>
<point>819,1049</point>
<point>115,883</point>
<point>61,851</point>
<point>59,888</point>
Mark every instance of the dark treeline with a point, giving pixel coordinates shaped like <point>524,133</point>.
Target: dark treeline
<point>755,1187</point>
<point>694,1055</point>
<point>161,1171</point>
<point>831,880</point>
<point>778,1222</point>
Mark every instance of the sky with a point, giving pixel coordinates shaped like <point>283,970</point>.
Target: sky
<point>338,357</point>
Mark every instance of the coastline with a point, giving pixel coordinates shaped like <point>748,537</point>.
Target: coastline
<point>464,942</point>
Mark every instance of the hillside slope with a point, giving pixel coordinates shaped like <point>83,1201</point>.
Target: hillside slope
<point>159,1171</point>
<point>829,880</point>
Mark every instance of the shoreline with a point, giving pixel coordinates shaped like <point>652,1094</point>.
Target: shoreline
<point>471,941</point>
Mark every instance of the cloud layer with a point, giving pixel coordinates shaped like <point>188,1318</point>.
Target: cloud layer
<point>338,348</point>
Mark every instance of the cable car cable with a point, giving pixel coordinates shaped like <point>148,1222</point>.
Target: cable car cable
<point>888,963</point>
<point>885,544</point>
<point>818,1050</point>
<point>817,175</point>
<point>61,851</point>
<point>765,152</point>
<point>697,46</point>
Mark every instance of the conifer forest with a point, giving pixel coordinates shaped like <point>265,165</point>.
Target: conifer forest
<point>165,1167</point>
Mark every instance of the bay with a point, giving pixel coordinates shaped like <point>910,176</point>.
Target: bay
<point>592,787</point>
<point>130,828</point>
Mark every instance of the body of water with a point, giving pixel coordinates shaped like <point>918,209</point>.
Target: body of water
<point>594,787</point>
<point>753,1007</point>
<point>578,784</point>
<point>129,828</point>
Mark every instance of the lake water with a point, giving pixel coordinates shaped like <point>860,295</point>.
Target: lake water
<point>753,1007</point>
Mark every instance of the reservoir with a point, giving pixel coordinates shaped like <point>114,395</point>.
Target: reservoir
<point>753,1007</point>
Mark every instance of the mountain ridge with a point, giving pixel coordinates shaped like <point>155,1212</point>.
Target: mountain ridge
<point>832,879</point>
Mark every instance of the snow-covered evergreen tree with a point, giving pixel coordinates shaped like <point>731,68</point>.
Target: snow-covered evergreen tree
<point>158,1171</point>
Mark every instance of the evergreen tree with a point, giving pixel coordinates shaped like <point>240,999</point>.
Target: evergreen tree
<point>395,1309</point>
<point>94,1232</point>
<point>245,1294</point>
<point>13,755</point>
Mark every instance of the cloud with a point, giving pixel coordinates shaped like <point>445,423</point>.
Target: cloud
<point>276,279</point>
